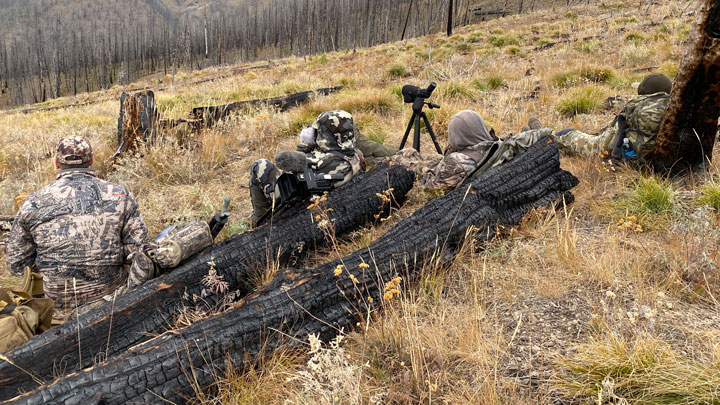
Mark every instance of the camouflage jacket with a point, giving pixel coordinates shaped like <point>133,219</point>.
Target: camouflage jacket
<point>455,167</point>
<point>78,227</point>
<point>334,149</point>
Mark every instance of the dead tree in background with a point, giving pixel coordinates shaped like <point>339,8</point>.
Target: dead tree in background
<point>688,129</point>
<point>450,17</point>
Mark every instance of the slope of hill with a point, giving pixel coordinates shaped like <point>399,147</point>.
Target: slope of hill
<point>613,298</point>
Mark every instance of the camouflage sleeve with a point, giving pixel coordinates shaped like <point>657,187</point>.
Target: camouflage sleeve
<point>134,232</point>
<point>447,175</point>
<point>372,149</point>
<point>20,249</point>
<point>580,143</point>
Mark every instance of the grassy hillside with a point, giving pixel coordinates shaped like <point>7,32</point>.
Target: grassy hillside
<point>612,298</point>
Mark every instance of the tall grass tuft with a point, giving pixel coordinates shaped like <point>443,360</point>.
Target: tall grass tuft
<point>645,371</point>
<point>651,196</point>
<point>710,195</point>
<point>580,101</point>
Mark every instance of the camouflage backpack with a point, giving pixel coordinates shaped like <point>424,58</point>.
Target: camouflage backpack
<point>23,314</point>
<point>644,115</point>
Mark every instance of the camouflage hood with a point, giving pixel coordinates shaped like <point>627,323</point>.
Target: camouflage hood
<point>335,132</point>
<point>468,134</point>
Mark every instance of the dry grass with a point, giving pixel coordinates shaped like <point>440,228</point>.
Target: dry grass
<point>553,307</point>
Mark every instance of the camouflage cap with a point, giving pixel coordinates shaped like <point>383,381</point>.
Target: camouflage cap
<point>74,150</point>
<point>336,121</point>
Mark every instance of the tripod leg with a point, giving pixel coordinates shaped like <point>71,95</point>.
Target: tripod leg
<point>407,131</point>
<point>416,139</point>
<point>432,133</point>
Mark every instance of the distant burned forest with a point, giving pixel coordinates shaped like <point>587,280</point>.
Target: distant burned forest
<point>50,48</point>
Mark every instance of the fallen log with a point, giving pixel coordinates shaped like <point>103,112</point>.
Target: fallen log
<point>299,302</point>
<point>688,130</point>
<point>152,308</point>
<point>208,116</point>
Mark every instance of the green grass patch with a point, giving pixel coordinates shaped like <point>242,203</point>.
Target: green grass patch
<point>636,55</point>
<point>644,371</point>
<point>580,101</point>
<point>456,90</point>
<point>494,82</point>
<point>589,47</point>
<point>635,37</point>
<point>397,70</point>
<point>710,195</point>
<point>648,195</point>
<point>587,74</point>
<point>464,47</point>
<point>501,41</point>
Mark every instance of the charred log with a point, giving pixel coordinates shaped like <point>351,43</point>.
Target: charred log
<point>688,130</point>
<point>299,302</point>
<point>152,308</point>
<point>208,116</point>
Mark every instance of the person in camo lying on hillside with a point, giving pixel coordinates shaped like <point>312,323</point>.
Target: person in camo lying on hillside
<point>332,144</point>
<point>631,135</point>
<point>473,149</point>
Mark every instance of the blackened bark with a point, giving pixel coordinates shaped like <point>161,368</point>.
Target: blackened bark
<point>687,133</point>
<point>138,121</point>
<point>152,308</point>
<point>211,114</point>
<point>299,302</point>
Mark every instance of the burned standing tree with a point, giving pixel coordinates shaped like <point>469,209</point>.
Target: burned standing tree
<point>688,129</point>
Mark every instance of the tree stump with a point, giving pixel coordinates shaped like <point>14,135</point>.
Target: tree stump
<point>137,122</point>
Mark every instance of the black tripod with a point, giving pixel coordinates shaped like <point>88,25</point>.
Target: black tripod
<point>417,113</point>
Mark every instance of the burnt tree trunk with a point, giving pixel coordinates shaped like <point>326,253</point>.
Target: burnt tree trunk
<point>137,122</point>
<point>687,133</point>
<point>300,302</point>
<point>208,116</point>
<point>152,308</point>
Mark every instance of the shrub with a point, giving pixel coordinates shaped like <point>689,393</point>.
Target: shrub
<point>580,101</point>
<point>397,70</point>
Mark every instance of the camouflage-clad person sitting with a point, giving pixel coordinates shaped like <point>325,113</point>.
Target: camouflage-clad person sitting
<point>329,147</point>
<point>77,232</point>
<point>473,149</point>
<point>631,136</point>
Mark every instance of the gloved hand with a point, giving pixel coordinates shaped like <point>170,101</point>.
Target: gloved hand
<point>307,136</point>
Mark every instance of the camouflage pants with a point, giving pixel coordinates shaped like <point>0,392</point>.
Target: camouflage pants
<point>580,143</point>
<point>263,188</point>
